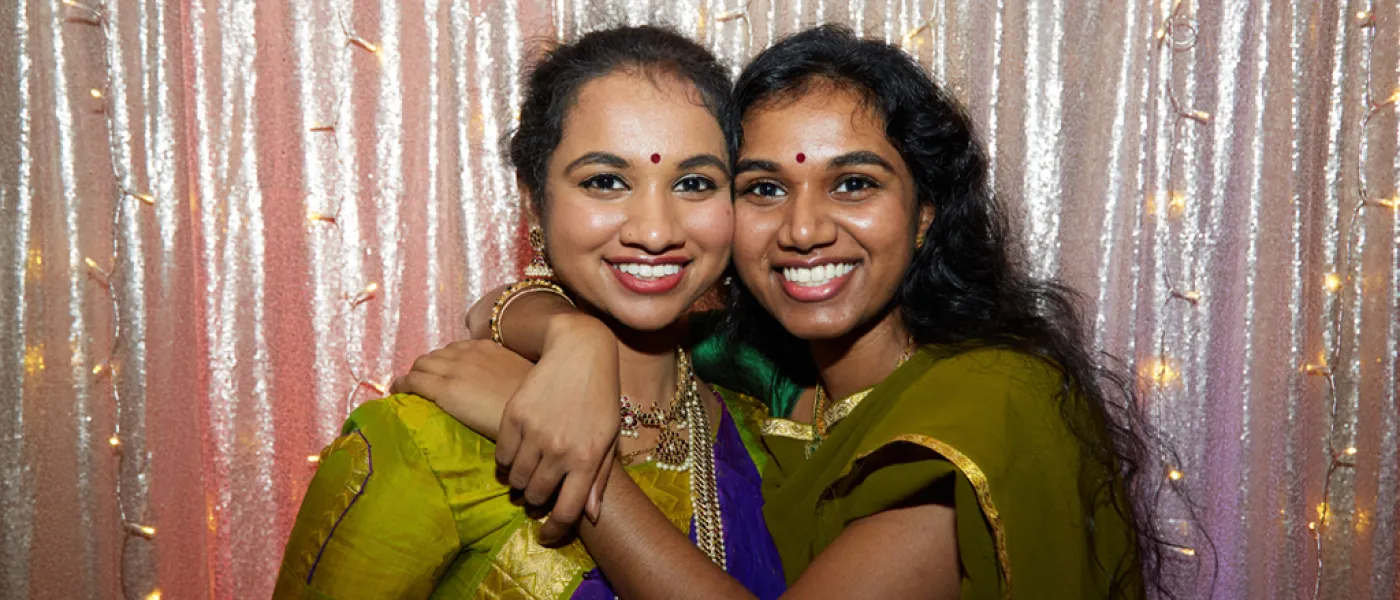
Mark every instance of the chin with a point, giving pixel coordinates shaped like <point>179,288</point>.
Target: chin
<point>646,318</point>
<point>814,325</point>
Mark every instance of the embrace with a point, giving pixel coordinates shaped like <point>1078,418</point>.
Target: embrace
<point>887,405</point>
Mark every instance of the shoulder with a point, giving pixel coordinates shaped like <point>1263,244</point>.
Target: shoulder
<point>413,428</point>
<point>409,436</point>
<point>1005,391</point>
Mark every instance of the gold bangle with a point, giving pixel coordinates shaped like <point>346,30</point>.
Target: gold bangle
<point>516,290</point>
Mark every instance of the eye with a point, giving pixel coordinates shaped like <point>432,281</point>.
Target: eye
<point>694,184</point>
<point>765,189</point>
<point>855,184</point>
<point>604,182</point>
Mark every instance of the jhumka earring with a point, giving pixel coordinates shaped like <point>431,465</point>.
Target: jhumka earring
<point>538,267</point>
<point>919,241</point>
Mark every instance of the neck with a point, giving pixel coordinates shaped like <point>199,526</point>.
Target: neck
<point>647,363</point>
<point>862,358</point>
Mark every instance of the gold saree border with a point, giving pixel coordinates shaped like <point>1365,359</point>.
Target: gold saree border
<point>777,427</point>
<point>974,475</point>
<point>522,567</point>
<point>836,412</point>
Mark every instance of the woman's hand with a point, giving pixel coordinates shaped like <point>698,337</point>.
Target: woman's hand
<point>559,430</point>
<point>470,380</point>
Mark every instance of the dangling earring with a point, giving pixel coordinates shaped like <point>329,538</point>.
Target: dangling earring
<point>919,241</point>
<point>538,267</point>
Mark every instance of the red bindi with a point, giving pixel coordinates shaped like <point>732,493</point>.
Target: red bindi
<point>655,159</point>
<point>801,158</point>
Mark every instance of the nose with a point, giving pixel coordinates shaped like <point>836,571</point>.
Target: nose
<point>807,224</point>
<point>652,222</point>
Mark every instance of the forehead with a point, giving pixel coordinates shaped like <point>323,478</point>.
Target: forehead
<point>636,110</point>
<point>824,116</point>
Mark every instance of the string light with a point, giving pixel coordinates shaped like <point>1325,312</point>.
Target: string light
<point>313,459</point>
<point>1332,282</point>
<point>343,88</point>
<point>913,34</point>
<point>1327,365</point>
<point>154,595</point>
<point>97,17</point>
<point>725,16</point>
<point>146,199</point>
<point>365,295</point>
<point>362,43</point>
<point>1162,373</point>
<point>145,531</point>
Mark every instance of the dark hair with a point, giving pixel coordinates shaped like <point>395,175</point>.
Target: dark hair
<point>553,82</point>
<point>966,286</point>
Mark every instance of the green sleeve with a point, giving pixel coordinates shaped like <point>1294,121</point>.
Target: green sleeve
<point>742,368</point>
<point>375,522</point>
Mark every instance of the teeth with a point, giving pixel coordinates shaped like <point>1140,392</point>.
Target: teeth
<point>818,275</point>
<point>645,271</point>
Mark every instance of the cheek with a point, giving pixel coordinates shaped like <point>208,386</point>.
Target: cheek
<point>710,225</point>
<point>576,227</point>
<point>755,231</point>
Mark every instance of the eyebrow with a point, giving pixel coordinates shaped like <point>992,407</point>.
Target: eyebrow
<point>860,157</point>
<point>755,164</point>
<point>606,159</point>
<point>704,160</point>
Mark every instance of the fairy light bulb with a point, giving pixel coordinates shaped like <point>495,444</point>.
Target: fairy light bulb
<point>1333,282</point>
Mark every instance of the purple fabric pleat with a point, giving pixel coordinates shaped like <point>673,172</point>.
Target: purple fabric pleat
<point>750,555</point>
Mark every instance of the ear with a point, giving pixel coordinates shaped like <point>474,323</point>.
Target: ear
<point>925,216</point>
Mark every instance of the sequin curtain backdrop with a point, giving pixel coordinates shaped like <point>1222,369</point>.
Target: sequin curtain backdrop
<point>329,194</point>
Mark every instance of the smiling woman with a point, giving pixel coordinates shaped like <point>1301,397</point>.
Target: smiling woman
<point>622,153</point>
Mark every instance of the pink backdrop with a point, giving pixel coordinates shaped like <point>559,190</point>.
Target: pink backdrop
<point>285,202</point>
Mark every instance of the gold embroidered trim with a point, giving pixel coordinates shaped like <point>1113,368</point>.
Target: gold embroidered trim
<point>844,408</point>
<point>354,444</point>
<point>524,568</point>
<point>789,429</point>
<point>978,479</point>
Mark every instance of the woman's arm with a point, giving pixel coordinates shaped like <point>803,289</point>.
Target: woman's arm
<point>901,553</point>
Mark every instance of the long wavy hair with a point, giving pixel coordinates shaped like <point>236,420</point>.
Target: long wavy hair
<point>967,285</point>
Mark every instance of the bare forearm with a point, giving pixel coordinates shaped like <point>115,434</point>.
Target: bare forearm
<point>645,556</point>
<point>532,322</point>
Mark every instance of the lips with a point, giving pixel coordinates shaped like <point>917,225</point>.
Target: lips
<point>652,277</point>
<point>815,282</point>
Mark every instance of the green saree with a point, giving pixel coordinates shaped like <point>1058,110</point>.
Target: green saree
<point>989,421</point>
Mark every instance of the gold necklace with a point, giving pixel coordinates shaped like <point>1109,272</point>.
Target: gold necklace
<point>696,454</point>
<point>823,418</point>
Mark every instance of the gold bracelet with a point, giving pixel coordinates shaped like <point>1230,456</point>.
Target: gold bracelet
<point>516,290</point>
